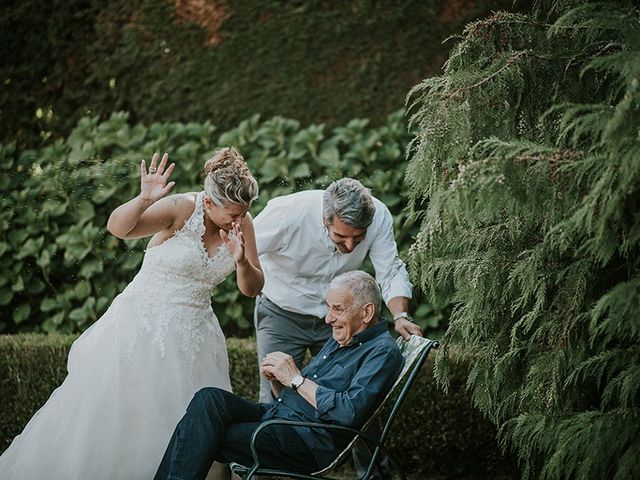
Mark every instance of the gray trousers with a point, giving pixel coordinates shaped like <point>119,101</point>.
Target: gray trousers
<point>278,330</point>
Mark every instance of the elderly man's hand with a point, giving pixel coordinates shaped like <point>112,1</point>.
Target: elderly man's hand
<point>279,366</point>
<point>406,328</point>
<point>269,376</point>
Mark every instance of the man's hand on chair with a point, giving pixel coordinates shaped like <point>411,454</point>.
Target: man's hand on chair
<point>407,328</point>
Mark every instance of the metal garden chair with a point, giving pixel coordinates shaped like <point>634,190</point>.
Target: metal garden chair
<point>415,352</point>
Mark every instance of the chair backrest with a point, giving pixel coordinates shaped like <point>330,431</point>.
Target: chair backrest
<point>414,351</point>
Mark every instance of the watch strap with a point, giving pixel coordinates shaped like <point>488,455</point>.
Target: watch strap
<point>297,382</point>
<point>404,315</point>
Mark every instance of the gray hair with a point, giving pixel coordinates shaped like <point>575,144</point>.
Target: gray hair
<point>350,201</point>
<point>363,288</point>
<point>228,179</point>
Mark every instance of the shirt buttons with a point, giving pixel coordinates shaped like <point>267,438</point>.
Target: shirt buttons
<point>279,399</point>
<point>324,357</point>
<point>315,376</point>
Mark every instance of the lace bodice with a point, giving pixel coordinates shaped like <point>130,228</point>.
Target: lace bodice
<point>171,294</point>
<point>181,266</point>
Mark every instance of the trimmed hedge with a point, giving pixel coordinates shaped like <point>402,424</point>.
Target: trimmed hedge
<point>436,433</point>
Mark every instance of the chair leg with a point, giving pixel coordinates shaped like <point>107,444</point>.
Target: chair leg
<point>394,461</point>
<point>251,472</point>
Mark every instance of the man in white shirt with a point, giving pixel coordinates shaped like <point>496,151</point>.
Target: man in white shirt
<point>304,240</point>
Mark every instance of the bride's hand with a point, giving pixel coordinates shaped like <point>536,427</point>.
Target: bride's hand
<point>234,240</point>
<point>153,185</point>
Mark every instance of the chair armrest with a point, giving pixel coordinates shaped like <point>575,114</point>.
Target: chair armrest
<point>293,423</point>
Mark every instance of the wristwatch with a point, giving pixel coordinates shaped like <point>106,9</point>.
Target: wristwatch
<point>297,381</point>
<point>404,315</point>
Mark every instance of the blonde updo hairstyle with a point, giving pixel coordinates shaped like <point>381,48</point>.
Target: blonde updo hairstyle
<point>228,179</point>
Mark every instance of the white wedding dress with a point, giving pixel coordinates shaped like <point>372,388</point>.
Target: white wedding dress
<point>132,374</point>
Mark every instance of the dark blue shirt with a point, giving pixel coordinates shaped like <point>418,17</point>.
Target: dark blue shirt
<point>352,381</point>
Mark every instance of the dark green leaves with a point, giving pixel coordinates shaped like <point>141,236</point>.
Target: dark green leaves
<point>61,268</point>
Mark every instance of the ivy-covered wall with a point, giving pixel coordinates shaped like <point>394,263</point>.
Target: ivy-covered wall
<point>193,60</point>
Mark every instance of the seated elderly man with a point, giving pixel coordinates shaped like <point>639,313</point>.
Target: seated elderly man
<point>343,385</point>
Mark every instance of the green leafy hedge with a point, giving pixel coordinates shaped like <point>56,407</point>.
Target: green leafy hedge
<point>436,434</point>
<point>61,268</point>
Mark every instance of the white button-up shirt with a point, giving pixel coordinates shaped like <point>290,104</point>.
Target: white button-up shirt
<point>299,259</point>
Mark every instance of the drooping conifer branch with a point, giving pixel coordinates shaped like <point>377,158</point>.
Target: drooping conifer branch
<point>525,174</point>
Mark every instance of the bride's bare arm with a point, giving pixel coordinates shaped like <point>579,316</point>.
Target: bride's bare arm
<point>149,212</point>
<point>137,219</point>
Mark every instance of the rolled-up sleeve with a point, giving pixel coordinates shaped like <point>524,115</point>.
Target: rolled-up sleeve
<point>391,272</point>
<point>374,378</point>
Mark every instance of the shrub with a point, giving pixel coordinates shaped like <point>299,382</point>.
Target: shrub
<point>436,434</point>
<point>61,268</point>
<point>528,152</point>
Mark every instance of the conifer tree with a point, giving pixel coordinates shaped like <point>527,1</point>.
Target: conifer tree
<point>525,176</point>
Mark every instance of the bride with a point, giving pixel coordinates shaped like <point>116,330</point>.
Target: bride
<point>132,374</point>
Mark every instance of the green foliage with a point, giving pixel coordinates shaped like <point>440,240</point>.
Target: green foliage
<point>317,61</point>
<point>434,433</point>
<point>525,175</point>
<point>32,366</point>
<point>61,268</point>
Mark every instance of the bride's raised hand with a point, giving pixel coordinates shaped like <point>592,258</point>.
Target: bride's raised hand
<point>234,240</point>
<point>154,185</point>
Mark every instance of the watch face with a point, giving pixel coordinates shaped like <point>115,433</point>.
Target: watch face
<point>297,381</point>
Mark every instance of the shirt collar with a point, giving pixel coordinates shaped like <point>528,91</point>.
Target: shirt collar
<point>370,333</point>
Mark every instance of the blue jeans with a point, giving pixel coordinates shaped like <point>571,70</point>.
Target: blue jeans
<point>218,426</point>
